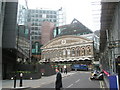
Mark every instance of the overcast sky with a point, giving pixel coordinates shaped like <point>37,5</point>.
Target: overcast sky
<point>79,9</point>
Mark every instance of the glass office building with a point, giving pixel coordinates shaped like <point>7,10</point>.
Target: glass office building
<point>15,36</point>
<point>36,17</point>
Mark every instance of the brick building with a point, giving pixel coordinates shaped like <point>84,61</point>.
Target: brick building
<point>46,32</point>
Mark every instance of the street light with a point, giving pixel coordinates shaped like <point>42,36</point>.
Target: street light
<point>15,81</point>
<point>21,75</point>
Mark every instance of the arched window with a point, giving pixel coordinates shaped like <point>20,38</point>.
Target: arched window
<point>82,51</point>
<point>61,52</point>
<point>78,51</point>
<point>68,51</point>
<point>88,48</point>
<point>73,51</point>
<point>64,52</point>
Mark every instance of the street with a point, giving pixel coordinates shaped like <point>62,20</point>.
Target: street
<point>78,80</point>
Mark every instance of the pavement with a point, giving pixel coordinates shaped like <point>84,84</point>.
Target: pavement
<point>32,83</point>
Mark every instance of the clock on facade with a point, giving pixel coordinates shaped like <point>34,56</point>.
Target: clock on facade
<point>63,41</point>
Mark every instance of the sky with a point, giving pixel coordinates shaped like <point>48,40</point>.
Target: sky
<point>79,9</point>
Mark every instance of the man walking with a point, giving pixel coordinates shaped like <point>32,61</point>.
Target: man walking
<point>58,83</point>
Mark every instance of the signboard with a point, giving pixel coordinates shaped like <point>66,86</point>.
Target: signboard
<point>114,44</point>
<point>113,82</point>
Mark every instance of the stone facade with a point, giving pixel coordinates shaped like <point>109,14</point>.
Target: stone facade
<point>67,48</point>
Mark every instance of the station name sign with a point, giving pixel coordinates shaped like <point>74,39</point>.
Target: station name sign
<point>114,44</point>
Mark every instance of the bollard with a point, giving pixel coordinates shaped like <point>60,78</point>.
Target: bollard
<point>21,75</point>
<point>15,81</point>
<point>76,69</point>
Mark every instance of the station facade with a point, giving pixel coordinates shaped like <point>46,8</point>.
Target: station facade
<point>68,48</point>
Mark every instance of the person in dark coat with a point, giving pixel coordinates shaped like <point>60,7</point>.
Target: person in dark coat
<point>61,70</point>
<point>58,83</point>
<point>66,70</point>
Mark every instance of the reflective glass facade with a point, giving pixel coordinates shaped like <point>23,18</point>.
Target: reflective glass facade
<point>36,17</point>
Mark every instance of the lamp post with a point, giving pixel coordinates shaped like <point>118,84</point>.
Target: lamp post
<point>21,76</point>
<point>15,81</point>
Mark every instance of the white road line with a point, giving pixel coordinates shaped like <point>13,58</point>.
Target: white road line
<point>77,81</point>
<point>69,85</point>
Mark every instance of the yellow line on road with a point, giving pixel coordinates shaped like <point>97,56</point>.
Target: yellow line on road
<point>101,84</point>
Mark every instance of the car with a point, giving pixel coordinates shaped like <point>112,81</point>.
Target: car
<point>97,76</point>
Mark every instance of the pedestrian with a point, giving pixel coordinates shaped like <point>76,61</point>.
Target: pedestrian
<point>58,83</point>
<point>66,70</point>
<point>61,70</point>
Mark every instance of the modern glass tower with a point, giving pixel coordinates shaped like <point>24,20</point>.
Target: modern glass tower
<point>36,17</point>
<point>15,36</point>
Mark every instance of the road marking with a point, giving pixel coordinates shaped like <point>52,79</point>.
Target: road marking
<point>69,85</point>
<point>101,84</point>
<point>77,81</point>
<point>43,83</point>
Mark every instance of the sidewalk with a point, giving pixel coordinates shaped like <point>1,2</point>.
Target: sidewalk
<point>33,83</point>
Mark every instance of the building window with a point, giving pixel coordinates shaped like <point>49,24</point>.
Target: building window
<point>32,15</point>
<point>82,51</point>
<point>36,20</point>
<point>36,11</point>
<point>47,12</point>
<point>33,11</point>
<point>36,24</point>
<point>36,15</point>
<point>54,12</point>
<point>51,16</point>
<point>73,52</point>
<point>64,52</point>
<point>33,24</point>
<point>36,28</point>
<point>54,20</point>
<point>78,51</point>
<point>32,38</point>
<point>40,11</point>
<point>40,16</point>
<point>60,53</point>
<point>68,51</point>
<point>48,16</point>
<point>50,12</point>
<point>33,20</point>
<point>44,12</point>
<point>54,16</point>
<point>32,28</point>
<point>88,50</point>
